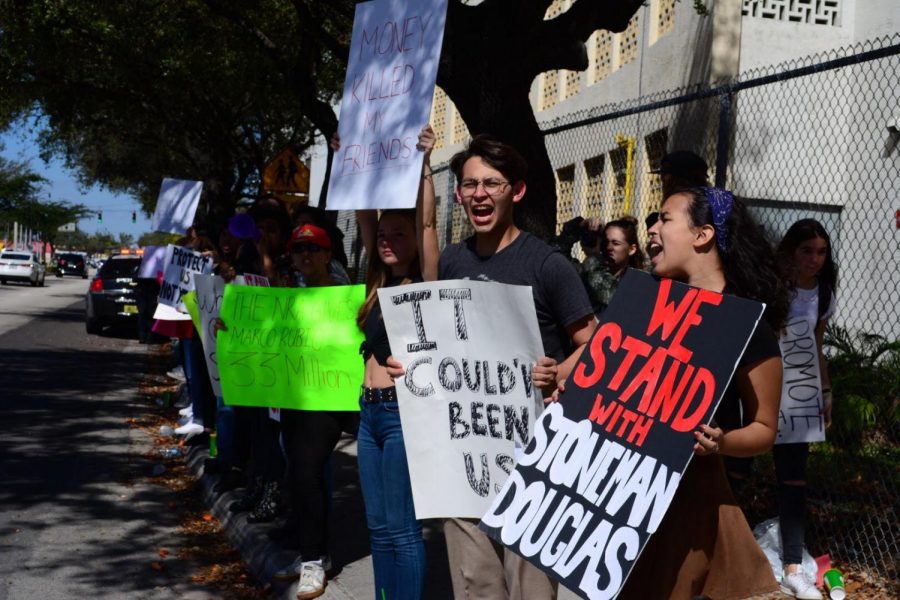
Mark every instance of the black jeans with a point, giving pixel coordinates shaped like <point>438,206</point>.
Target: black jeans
<point>790,465</point>
<point>313,436</point>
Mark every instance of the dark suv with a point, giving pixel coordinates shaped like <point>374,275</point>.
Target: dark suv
<point>111,299</point>
<point>70,263</point>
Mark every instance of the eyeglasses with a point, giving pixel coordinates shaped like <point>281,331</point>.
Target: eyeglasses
<point>301,248</point>
<point>490,186</point>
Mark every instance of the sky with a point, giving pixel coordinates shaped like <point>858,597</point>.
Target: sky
<point>19,144</point>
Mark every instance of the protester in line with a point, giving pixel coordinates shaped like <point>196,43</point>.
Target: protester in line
<point>598,282</point>
<point>313,215</point>
<point>305,213</point>
<point>402,247</point>
<point>202,408</point>
<point>622,249</point>
<point>704,547</point>
<point>808,268</point>
<point>268,223</point>
<point>312,435</point>
<point>681,169</point>
<point>231,452</point>
<point>618,249</point>
<point>490,179</point>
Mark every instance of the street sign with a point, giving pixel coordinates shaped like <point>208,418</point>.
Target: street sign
<point>68,228</point>
<point>285,173</point>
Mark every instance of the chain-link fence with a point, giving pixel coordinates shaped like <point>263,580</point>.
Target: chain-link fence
<point>812,138</point>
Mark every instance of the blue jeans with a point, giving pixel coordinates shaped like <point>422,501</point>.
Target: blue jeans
<point>398,551</point>
<point>195,386</point>
<point>225,430</point>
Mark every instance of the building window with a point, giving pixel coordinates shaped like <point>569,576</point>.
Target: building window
<point>565,195</point>
<point>628,42</point>
<point>573,83</point>
<point>665,17</point>
<point>601,45</point>
<point>439,117</point>
<point>811,12</point>
<point>549,89</point>
<point>460,131</point>
<point>655,146</point>
<point>593,171</point>
<point>556,8</point>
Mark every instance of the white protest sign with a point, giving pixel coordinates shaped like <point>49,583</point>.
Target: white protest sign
<point>181,264</point>
<point>152,262</point>
<point>800,416</point>
<point>210,289</point>
<point>387,99</point>
<point>169,313</point>
<point>467,400</point>
<point>176,205</point>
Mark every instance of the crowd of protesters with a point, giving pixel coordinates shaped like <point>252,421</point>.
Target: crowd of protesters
<point>701,235</point>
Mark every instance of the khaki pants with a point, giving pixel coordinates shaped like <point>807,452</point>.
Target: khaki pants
<point>482,569</point>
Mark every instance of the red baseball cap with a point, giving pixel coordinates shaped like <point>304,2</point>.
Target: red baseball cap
<point>310,234</point>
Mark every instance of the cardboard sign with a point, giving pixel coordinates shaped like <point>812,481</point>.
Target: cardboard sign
<point>467,400</point>
<point>800,416</point>
<point>176,205</point>
<point>606,459</point>
<point>153,262</point>
<point>209,291</point>
<point>291,347</point>
<point>180,266</point>
<point>387,99</point>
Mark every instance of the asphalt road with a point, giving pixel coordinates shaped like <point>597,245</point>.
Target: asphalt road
<point>79,516</point>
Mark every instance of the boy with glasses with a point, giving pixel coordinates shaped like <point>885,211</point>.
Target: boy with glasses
<point>490,181</point>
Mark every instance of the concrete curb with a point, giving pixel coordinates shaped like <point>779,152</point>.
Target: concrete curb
<point>263,556</point>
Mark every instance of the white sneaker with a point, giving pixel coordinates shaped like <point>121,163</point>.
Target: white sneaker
<point>312,580</point>
<point>187,411</point>
<point>295,569</point>
<point>189,429</point>
<point>797,585</point>
<point>177,373</point>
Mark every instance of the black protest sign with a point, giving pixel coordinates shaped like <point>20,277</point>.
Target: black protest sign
<point>605,461</point>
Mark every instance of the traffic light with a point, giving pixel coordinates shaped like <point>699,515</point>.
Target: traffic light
<point>99,217</point>
<point>134,216</point>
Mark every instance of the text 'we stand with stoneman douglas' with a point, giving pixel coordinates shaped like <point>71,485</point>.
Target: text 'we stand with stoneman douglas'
<point>607,459</point>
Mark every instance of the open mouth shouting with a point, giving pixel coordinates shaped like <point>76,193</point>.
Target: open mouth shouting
<point>654,249</point>
<point>481,213</point>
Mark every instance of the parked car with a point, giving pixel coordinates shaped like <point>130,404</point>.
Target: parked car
<point>21,265</point>
<point>111,300</point>
<point>71,263</point>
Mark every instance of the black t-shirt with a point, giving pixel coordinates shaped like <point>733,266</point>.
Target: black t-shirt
<point>376,342</point>
<point>763,344</point>
<point>559,296</point>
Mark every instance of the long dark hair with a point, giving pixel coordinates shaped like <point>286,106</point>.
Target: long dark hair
<point>749,263</point>
<point>628,225</point>
<point>799,232</point>
<point>378,274</point>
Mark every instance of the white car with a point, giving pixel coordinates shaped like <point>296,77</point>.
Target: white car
<point>21,265</point>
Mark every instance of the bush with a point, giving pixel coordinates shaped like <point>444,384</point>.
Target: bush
<point>865,382</point>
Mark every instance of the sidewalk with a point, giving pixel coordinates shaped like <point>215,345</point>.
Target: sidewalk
<point>349,539</point>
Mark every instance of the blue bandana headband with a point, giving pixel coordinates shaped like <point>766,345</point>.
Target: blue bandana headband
<point>720,202</point>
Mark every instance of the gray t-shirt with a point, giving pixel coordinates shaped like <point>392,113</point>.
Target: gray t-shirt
<point>559,296</point>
